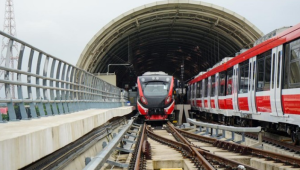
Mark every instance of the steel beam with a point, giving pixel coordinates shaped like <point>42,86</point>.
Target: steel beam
<point>223,127</point>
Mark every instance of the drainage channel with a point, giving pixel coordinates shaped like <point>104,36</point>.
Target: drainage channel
<point>123,151</point>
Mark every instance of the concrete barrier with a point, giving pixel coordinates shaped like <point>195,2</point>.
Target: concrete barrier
<point>26,141</point>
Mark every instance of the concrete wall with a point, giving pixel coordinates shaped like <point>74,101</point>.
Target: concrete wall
<point>26,141</point>
<point>110,78</point>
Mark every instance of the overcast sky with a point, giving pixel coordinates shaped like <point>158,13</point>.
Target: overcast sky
<point>63,27</point>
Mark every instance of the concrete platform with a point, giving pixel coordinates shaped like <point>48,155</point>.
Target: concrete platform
<point>26,141</point>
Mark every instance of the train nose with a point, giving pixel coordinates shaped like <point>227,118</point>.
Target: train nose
<point>156,111</point>
<point>156,102</point>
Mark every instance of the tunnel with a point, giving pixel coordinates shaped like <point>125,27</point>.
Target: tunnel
<point>165,35</point>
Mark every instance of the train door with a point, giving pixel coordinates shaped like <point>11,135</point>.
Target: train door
<point>198,96</point>
<point>235,87</point>
<point>192,95</point>
<point>188,94</point>
<point>202,93</point>
<point>195,93</point>
<point>217,91</point>
<point>276,78</point>
<point>208,92</point>
<point>229,91</point>
<point>212,92</point>
<point>251,85</point>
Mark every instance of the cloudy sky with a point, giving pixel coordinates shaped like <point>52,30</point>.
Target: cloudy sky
<point>63,27</point>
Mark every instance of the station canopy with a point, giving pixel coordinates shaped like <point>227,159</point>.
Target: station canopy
<point>165,35</point>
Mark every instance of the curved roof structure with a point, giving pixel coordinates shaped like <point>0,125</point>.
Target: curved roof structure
<point>161,36</point>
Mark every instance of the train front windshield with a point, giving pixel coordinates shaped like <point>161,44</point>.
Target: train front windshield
<point>156,88</point>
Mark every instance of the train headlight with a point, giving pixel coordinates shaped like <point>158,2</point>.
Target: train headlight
<point>168,100</point>
<point>143,100</point>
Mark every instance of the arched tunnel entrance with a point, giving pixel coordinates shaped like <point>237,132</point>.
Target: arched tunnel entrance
<point>161,36</point>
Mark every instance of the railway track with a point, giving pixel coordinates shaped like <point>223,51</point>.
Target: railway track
<point>204,159</point>
<point>244,150</point>
<point>184,142</point>
<point>141,151</point>
<point>278,143</point>
<point>60,158</point>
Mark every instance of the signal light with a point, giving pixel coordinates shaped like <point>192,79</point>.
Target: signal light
<point>143,100</point>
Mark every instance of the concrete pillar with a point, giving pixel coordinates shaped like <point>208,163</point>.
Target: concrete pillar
<point>183,108</point>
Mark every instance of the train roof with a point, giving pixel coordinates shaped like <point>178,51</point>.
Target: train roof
<point>149,73</point>
<point>283,37</point>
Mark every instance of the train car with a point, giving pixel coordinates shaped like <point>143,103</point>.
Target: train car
<point>155,96</point>
<point>259,87</point>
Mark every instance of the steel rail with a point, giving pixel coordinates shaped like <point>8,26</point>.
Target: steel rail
<point>205,155</point>
<point>275,142</point>
<point>290,160</point>
<point>199,157</point>
<point>139,153</point>
<point>197,137</point>
<point>244,150</point>
<point>185,149</point>
<point>98,161</point>
<point>227,163</point>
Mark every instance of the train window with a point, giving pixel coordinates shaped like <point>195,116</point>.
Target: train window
<point>264,71</point>
<point>249,76</point>
<point>267,73</point>
<point>222,83</point>
<point>243,77</point>
<point>278,68</point>
<point>295,54</point>
<point>254,76</point>
<point>273,70</point>
<point>188,91</point>
<point>156,88</point>
<point>206,88</point>
<point>229,81</point>
<point>199,85</point>
<point>260,72</point>
<point>212,85</point>
<point>294,73</point>
<point>201,89</point>
<point>192,91</point>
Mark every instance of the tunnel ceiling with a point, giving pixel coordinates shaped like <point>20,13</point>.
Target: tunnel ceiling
<point>161,36</point>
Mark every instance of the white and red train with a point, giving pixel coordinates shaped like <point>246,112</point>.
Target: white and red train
<point>155,100</point>
<point>258,87</point>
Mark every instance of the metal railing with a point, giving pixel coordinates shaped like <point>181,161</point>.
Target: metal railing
<point>52,86</point>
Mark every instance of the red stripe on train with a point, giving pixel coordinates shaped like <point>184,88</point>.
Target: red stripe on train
<point>199,103</point>
<point>263,104</point>
<point>243,103</point>
<point>229,104</point>
<point>212,103</point>
<point>291,104</point>
<point>205,103</point>
<point>222,103</point>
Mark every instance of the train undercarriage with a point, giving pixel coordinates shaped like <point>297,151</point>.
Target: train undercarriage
<point>282,128</point>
